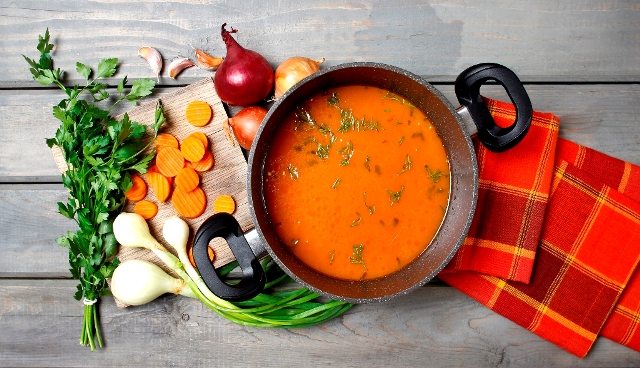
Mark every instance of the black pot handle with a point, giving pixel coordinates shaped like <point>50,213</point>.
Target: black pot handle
<point>492,136</point>
<point>225,226</point>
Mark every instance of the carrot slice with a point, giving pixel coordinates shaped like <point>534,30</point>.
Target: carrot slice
<point>189,204</point>
<point>198,113</point>
<point>224,203</point>
<point>187,179</point>
<point>154,168</point>
<point>192,149</point>
<point>166,140</point>
<point>160,185</point>
<point>146,209</point>
<point>138,189</point>
<point>170,161</point>
<point>210,253</point>
<point>202,137</point>
<point>206,163</point>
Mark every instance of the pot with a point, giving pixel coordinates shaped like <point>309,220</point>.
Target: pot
<point>450,124</point>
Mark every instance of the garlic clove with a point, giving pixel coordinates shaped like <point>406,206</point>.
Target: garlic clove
<point>178,65</point>
<point>206,61</point>
<point>153,58</point>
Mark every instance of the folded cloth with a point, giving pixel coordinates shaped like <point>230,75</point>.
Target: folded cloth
<point>588,250</point>
<point>512,196</point>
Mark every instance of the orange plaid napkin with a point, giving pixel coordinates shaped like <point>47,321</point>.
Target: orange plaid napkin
<point>512,196</point>
<point>583,282</point>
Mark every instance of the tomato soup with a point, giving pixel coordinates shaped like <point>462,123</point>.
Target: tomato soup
<point>356,182</point>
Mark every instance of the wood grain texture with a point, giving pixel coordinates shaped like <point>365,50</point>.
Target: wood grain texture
<point>604,117</point>
<point>434,326</point>
<point>543,40</point>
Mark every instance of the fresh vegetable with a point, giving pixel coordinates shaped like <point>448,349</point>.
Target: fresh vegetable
<point>192,149</point>
<point>209,253</point>
<point>146,209</point>
<point>166,140</point>
<point>244,77</point>
<point>101,153</point>
<point>205,164</point>
<point>245,124</point>
<point>292,71</point>
<point>187,179</point>
<point>272,308</point>
<point>198,113</point>
<point>153,58</point>
<point>169,161</point>
<point>178,65</point>
<point>206,61</point>
<point>160,186</point>
<point>224,203</point>
<point>201,137</point>
<point>138,189</point>
<point>189,204</point>
<point>137,282</point>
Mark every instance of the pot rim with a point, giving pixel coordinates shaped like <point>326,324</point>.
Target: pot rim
<point>467,224</point>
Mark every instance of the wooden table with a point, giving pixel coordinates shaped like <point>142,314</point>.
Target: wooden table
<point>581,61</point>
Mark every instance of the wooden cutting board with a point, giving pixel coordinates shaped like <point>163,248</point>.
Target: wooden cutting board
<point>228,175</point>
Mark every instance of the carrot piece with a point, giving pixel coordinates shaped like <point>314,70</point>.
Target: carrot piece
<point>189,204</point>
<point>210,253</point>
<point>160,185</point>
<point>206,163</point>
<point>224,203</point>
<point>154,168</point>
<point>192,149</point>
<point>146,209</point>
<point>198,113</point>
<point>187,179</point>
<point>202,137</point>
<point>166,140</point>
<point>170,161</point>
<point>138,189</point>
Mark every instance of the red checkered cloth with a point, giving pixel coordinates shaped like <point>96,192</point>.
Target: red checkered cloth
<point>512,196</point>
<point>588,251</point>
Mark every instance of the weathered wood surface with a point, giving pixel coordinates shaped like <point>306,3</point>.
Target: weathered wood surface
<point>542,40</point>
<point>583,58</point>
<point>432,326</point>
<point>604,117</point>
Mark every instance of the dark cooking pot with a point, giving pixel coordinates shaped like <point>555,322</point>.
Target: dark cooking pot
<point>450,125</point>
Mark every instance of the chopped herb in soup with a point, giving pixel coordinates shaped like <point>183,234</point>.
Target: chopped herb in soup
<point>356,182</point>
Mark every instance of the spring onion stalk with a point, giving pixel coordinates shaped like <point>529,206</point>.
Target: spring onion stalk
<point>277,308</point>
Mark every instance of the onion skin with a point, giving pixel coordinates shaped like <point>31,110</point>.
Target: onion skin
<point>292,71</point>
<point>244,77</point>
<point>245,124</point>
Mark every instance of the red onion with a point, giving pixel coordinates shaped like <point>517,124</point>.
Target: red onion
<point>244,77</point>
<point>245,124</point>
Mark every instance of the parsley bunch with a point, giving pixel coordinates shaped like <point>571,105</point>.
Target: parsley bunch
<point>100,152</point>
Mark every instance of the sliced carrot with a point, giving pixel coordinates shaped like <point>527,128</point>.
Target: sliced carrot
<point>138,189</point>
<point>206,163</point>
<point>187,179</point>
<point>166,140</point>
<point>189,204</point>
<point>154,168</point>
<point>202,137</point>
<point>146,209</point>
<point>224,203</point>
<point>198,113</point>
<point>192,149</point>
<point>170,161</point>
<point>160,185</point>
<point>210,253</point>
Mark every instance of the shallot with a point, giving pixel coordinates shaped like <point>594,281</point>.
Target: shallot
<point>245,124</point>
<point>293,70</point>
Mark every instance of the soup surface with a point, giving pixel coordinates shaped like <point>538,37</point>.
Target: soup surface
<point>357,182</point>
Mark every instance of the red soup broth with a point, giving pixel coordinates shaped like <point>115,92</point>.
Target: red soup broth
<point>356,182</point>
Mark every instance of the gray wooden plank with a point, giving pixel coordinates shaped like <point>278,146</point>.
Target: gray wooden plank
<point>543,40</point>
<point>604,117</point>
<point>437,326</point>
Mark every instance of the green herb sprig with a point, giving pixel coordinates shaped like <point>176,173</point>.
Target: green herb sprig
<point>100,152</point>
